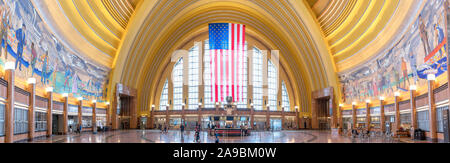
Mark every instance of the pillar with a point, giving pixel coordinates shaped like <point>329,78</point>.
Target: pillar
<point>413,109</point>
<point>368,117</point>
<point>283,116</point>
<point>65,115</point>
<point>80,112</point>
<point>354,116</point>
<point>314,110</point>
<point>115,104</point>
<point>31,111</point>
<point>268,117</point>
<point>341,118</point>
<point>167,115</point>
<point>382,116</point>
<point>252,116</point>
<point>133,111</point>
<point>397,114</point>
<point>297,118</point>
<point>183,107</point>
<point>94,117</point>
<point>150,118</point>
<point>9,109</point>
<point>108,114</point>
<point>49,111</point>
<point>432,111</point>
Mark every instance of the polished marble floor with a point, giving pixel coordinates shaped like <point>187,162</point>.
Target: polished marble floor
<point>175,136</point>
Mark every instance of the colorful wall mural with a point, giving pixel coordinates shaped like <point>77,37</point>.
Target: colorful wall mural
<point>28,42</point>
<point>422,50</point>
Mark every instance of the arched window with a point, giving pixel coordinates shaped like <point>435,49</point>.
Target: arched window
<point>164,99</point>
<point>257,79</point>
<point>243,103</point>
<point>285,98</point>
<point>193,77</point>
<point>178,85</point>
<point>208,101</point>
<point>272,80</point>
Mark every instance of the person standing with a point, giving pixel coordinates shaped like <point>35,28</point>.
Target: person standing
<point>22,41</point>
<point>33,58</point>
<point>424,36</point>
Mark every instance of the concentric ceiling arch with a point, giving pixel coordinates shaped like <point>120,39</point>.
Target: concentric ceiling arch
<point>288,26</point>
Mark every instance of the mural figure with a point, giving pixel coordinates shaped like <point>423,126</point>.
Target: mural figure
<point>406,62</point>
<point>44,60</point>
<point>424,35</point>
<point>21,37</point>
<point>5,16</point>
<point>33,58</point>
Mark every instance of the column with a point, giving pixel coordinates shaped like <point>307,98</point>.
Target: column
<point>297,118</point>
<point>32,103</point>
<point>354,115</point>
<point>80,111</point>
<point>133,111</point>
<point>382,115</point>
<point>432,104</point>
<point>49,111</point>
<point>397,112</point>
<point>9,109</point>
<point>150,118</point>
<point>283,118</point>
<point>94,116</point>
<point>114,123</point>
<point>413,108</point>
<point>65,113</point>
<point>108,114</point>
<point>200,112</point>
<point>252,116</point>
<point>368,117</point>
<point>268,117</point>
<point>167,115</point>
<point>182,112</point>
<point>341,117</point>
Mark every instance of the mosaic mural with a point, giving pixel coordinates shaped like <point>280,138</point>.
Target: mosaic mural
<point>28,42</point>
<point>421,51</point>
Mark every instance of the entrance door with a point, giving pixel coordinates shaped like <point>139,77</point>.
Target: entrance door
<point>275,124</point>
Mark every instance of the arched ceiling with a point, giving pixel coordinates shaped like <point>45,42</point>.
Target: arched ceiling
<point>317,38</point>
<point>93,27</point>
<point>358,30</point>
<point>285,25</point>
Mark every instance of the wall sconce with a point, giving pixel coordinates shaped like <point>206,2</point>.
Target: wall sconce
<point>431,77</point>
<point>412,87</point>
<point>10,65</point>
<point>49,89</point>
<point>31,81</point>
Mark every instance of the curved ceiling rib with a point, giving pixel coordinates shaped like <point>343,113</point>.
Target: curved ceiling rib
<point>358,30</point>
<point>101,23</point>
<point>284,25</point>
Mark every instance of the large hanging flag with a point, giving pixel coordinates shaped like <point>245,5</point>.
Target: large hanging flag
<point>227,43</point>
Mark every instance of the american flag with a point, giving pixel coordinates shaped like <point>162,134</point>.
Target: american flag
<point>227,43</point>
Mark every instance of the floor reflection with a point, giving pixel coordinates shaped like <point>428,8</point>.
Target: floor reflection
<point>156,136</point>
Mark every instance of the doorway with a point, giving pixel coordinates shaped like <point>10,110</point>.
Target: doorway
<point>324,114</point>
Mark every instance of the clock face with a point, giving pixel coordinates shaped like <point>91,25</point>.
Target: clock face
<point>229,99</point>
